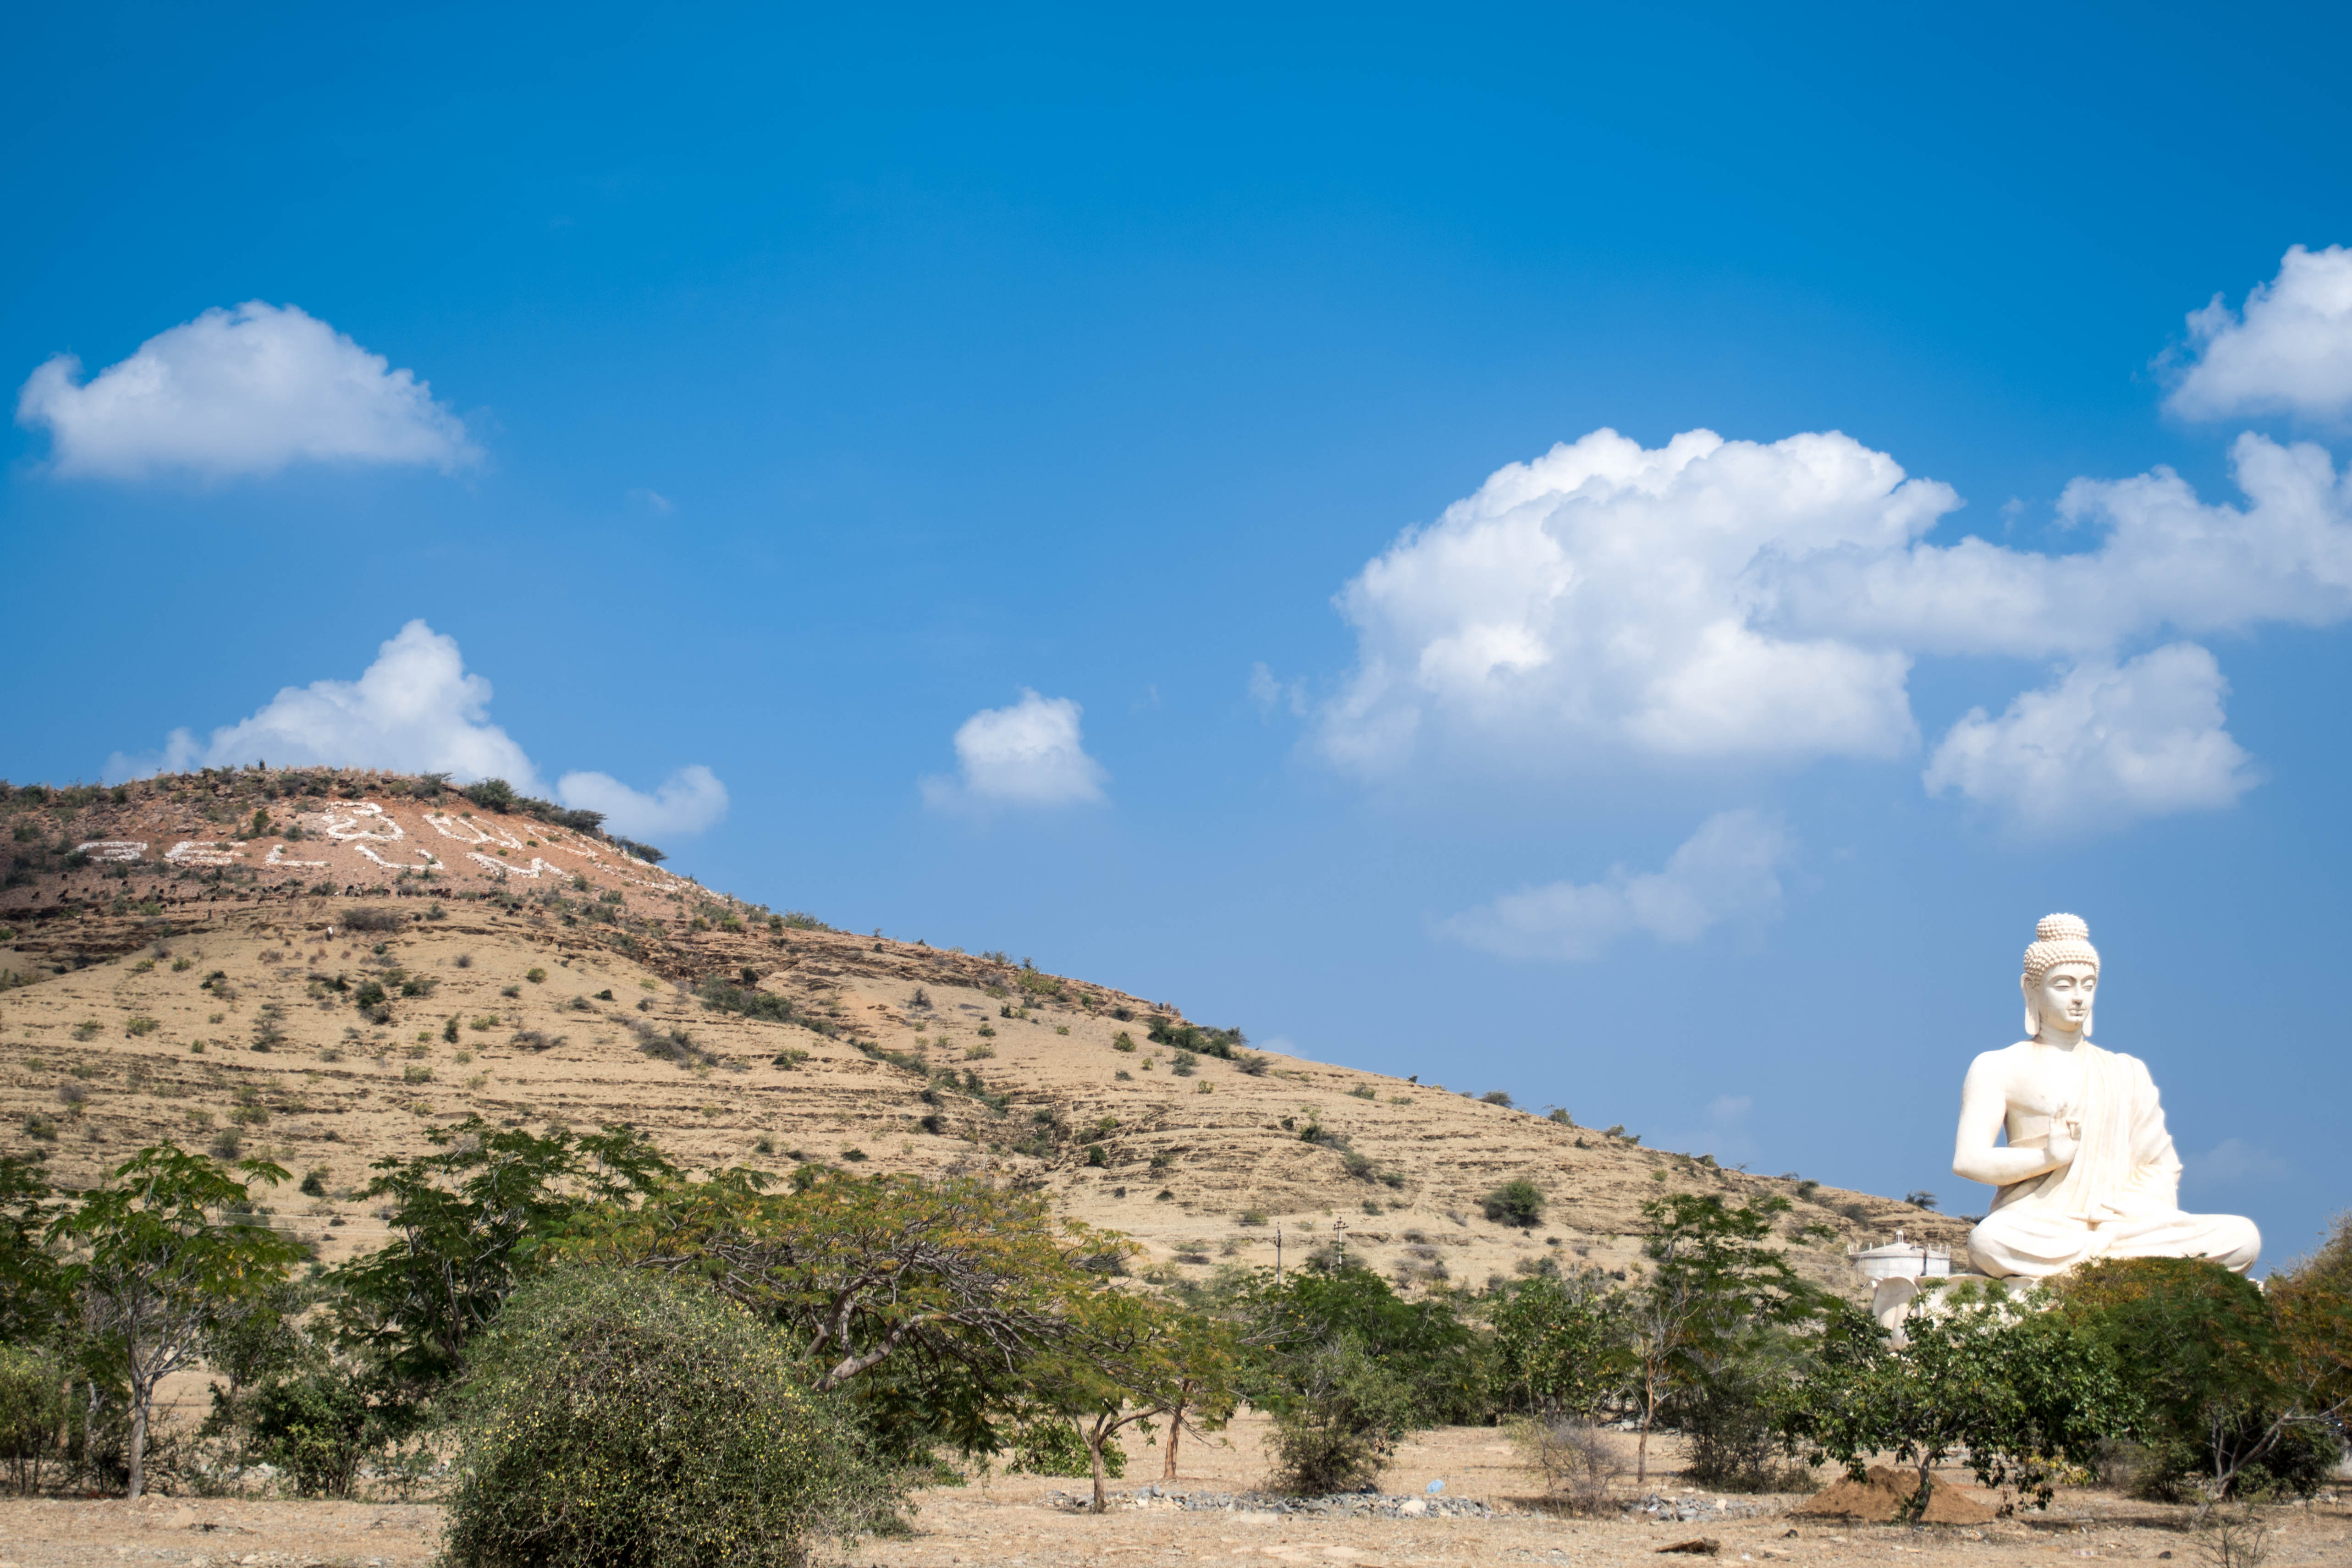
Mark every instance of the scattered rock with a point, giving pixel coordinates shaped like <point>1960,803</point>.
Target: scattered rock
<point>1706,1546</point>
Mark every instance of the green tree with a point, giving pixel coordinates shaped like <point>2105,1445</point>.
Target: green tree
<point>1425,1343</point>
<point>614,1418</point>
<point>2017,1392</point>
<point>155,1268</point>
<point>927,1298</point>
<point>470,1221</point>
<point>30,1411</point>
<point>2235,1399</point>
<point>2313,1299</point>
<point>1132,1360</point>
<point>1340,1416</point>
<point>1560,1344</point>
<point>1714,1283</point>
<point>253,1349</point>
<point>320,1425</point>
<point>32,1297</point>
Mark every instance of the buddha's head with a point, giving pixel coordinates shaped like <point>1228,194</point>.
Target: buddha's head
<point>2062,976</point>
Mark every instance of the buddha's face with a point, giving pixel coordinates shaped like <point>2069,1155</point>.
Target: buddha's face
<point>2063,996</point>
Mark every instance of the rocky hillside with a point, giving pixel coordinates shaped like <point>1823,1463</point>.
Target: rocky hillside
<point>321,966</point>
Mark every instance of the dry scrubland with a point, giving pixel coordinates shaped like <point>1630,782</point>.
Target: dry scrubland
<point>1015,1524</point>
<point>534,974</point>
<point>136,962</point>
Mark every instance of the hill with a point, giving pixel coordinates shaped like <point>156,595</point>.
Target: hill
<point>323,965</point>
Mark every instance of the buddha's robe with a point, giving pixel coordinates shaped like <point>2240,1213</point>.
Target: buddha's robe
<point>2119,1197</point>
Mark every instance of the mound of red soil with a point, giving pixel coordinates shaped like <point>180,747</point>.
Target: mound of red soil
<point>1886,1496</point>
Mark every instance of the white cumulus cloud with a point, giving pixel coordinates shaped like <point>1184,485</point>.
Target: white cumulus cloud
<point>417,709</point>
<point>690,801</point>
<point>1596,598</point>
<point>2290,352</point>
<point>239,392</point>
<point>1726,600</point>
<point>1727,870</point>
<point>2164,558</point>
<point>2104,744</point>
<point>1030,754</point>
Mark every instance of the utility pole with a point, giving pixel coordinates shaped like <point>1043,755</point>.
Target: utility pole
<point>1278,1254</point>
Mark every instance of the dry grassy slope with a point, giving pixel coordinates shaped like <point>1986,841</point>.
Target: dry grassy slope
<point>339,1090</point>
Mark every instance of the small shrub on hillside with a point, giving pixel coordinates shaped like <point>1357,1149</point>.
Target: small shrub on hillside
<point>1496,1097</point>
<point>1122,1040</point>
<point>1517,1202</point>
<point>624,1420</point>
<point>725,995</point>
<point>1223,1043</point>
<point>490,794</point>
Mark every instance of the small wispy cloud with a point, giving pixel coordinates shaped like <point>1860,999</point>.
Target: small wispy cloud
<point>1723,1132</point>
<point>1728,869</point>
<point>1271,695</point>
<point>2233,1162</point>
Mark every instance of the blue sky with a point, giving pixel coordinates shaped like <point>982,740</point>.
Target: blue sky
<point>985,448</point>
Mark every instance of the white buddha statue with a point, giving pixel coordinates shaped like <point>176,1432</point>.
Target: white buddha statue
<point>2089,1170</point>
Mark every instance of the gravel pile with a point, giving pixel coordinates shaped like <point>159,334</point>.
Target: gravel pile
<point>1337,1505</point>
<point>1695,1507</point>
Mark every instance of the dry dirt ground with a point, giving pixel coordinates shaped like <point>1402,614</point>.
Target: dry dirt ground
<point>1018,1523</point>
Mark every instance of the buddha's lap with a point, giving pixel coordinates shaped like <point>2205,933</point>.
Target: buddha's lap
<point>2022,1239</point>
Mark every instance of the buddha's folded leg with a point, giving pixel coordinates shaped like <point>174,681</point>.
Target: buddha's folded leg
<point>2226,1238</point>
<point>2029,1242</point>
